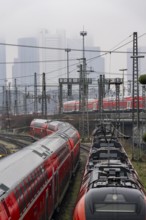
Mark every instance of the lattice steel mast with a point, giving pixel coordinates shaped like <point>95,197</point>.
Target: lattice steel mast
<point>135,95</point>
<point>84,120</point>
<point>16,99</point>
<point>101,94</point>
<point>44,100</point>
<point>35,94</point>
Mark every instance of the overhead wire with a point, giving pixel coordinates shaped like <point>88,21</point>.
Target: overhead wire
<point>55,48</point>
<point>116,47</point>
<point>113,50</point>
<point>63,49</point>
<point>37,61</point>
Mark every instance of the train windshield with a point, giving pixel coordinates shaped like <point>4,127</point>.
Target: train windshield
<point>117,207</point>
<point>114,203</point>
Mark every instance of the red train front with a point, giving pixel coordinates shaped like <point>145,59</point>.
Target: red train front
<point>38,127</point>
<point>42,127</point>
<point>111,203</point>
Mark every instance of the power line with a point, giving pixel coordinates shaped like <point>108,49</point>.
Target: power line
<point>53,48</point>
<point>38,61</point>
<point>116,48</point>
<point>121,42</point>
<point>63,49</point>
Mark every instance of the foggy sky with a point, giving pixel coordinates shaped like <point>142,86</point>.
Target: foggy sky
<point>108,22</point>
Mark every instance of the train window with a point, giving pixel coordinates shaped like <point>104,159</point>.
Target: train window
<point>22,190</point>
<point>41,181</point>
<point>28,190</point>
<point>37,178</point>
<point>20,198</point>
<point>34,184</point>
<point>115,207</point>
<point>16,193</point>
<point>45,176</point>
<point>30,187</point>
<point>25,192</point>
<point>38,183</point>
<point>128,105</point>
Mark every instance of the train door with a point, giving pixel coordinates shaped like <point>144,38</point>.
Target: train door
<point>77,107</point>
<point>129,105</point>
<point>94,106</point>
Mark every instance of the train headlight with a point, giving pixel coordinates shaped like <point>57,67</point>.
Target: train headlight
<point>114,197</point>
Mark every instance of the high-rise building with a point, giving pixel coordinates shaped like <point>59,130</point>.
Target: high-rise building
<point>23,74</point>
<point>54,55</point>
<point>95,62</point>
<point>27,62</point>
<point>51,55</point>
<point>2,63</point>
<point>3,76</point>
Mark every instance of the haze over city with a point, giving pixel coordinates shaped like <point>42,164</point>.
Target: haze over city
<point>107,22</point>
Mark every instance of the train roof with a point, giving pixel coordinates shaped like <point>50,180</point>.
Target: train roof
<point>39,121</point>
<point>70,102</point>
<point>107,153</point>
<point>17,166</point>
<point>75,100</point>
<point>57,124</point>
<point>101,143</point>
<point>113,173</point>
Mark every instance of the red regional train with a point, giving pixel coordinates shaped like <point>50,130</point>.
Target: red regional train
<point>42,127</point>
<point>109,104</point>
<point>110,188</point>
<point>33,181</point>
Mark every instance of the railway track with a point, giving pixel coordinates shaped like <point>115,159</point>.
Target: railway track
<point>3,151</point>
<point>20,136</point>
<point>85,147</point>
<point>10,143</point>
<point>68,203</point>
